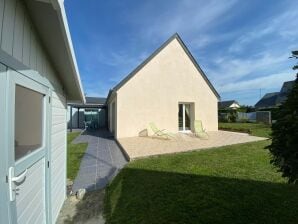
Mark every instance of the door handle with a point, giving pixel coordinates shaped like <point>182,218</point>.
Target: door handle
<point>12,179</point>
<point>20,177</point>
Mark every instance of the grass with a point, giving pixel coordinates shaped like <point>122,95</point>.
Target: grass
<point>75,153</point>
<point>231,184</point>
<point>256,129</point>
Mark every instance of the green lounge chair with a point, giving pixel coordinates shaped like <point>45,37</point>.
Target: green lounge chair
<point>199,130</point>
<point>160,133</point>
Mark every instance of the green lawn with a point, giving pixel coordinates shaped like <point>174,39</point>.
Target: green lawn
<point>261,130</point>
<point>75,153</point>
<point>232,184</point>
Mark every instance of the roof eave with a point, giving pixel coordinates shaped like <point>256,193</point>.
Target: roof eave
<point>49,16</point>
<point>194,61</point>
<point>69,46</point>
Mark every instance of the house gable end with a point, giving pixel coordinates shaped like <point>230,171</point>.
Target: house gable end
<point>154,54</point>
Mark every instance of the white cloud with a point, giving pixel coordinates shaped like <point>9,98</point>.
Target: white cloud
<point>191,18</point>
<point>243,40</point>
<point>120,58</point>
<point>266,82</point>
<point>201,41</point>
<point>231,69</point>
<point>272,41</point>
<point>124,63</point>
<point>284,25</point>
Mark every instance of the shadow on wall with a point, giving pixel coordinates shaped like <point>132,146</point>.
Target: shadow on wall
<point>144,196</point>
<point>102,120</point>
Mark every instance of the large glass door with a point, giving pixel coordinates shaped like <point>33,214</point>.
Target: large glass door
<point>184,117</point>
<point>180,117</point>
<point>91,118</point>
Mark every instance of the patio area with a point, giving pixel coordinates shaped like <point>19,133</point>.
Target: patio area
<point>137,147</point>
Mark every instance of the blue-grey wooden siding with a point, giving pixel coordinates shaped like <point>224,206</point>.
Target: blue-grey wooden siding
<point>31,195</point>
<point>19,39</point>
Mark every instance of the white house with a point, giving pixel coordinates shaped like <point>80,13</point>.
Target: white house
<point>169,88</point>
<point>228,105</point>
<point>38,75</point>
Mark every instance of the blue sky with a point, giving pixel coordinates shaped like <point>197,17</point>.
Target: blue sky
<point>242,46</point>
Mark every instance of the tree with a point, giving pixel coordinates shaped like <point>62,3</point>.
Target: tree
<point>284,146</point>
<point>246,109</point>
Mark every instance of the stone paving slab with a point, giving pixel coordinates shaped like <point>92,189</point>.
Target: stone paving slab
<point>102,160</point>
<point>137,147</point>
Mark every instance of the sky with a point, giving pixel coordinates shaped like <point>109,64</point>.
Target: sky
<point>242,46</point>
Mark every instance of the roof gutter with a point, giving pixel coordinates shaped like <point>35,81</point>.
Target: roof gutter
<point>58,5</point>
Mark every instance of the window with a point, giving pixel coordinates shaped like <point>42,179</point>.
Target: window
<point>29,108</point>
<point>184,117</point>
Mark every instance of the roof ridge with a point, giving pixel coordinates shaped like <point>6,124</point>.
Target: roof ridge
<point>151,56</point>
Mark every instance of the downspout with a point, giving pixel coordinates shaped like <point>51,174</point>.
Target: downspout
<point>70,119</point>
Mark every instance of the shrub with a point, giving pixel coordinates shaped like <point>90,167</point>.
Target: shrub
<point>233,116</point>
<point>284,146</point>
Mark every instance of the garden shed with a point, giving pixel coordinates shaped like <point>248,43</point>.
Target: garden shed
<point>38,75</point>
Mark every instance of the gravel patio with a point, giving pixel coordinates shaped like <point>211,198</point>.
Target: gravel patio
<point>138,147</point>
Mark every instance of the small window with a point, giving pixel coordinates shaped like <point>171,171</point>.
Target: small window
<point>28,121</point>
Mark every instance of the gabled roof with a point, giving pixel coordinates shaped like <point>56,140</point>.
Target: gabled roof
<point>275,99</point>
<point>227,103</point>
<point>287,86</point>
<point>285,89</point>
<point>177,37</point>
<point>267,101</point>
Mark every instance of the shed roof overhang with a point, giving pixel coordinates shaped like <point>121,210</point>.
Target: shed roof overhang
<point>88,106</point>
<point>50,21</point>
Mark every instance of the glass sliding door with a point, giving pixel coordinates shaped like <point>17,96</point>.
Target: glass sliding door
<point>184,117</point>
<point>91,118</point>
<point>180,117</point>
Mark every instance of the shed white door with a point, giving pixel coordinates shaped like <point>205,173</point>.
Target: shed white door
<point>27,104</point>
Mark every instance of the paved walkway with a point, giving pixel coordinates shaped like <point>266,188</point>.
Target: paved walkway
<point>102,161</point>
<point>137,147</point>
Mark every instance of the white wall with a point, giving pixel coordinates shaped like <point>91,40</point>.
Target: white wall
<point>153,94</point>
<point>112,115</point>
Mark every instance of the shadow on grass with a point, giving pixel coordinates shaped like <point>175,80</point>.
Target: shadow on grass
<point>90,209</point>
<point>144,196</point>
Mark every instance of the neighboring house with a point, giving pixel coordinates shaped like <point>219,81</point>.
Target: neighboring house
<point>168,88</point>
<point>227,110</point>
<point>228,104</point>
<point>93,112</point>
<point>275,99</point>
<point>38,75</point>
